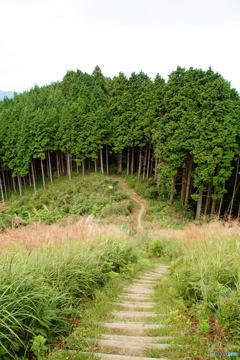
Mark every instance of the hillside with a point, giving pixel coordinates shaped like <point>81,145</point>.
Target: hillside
<point>69,258</point>
<point>4,94</point>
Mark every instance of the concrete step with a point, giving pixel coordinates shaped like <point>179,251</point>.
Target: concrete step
<point>144,282</point>
<point>129,348</point>
<point>131,328</point>
<point>138,290</point>
<point>137,305</point>
<point>134,314</point>
<point>133,296</point>
<point>120,357</point>
<point>141,339</point>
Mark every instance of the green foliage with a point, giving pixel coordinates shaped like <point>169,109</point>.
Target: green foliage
<point>117,209</point>
<point>205,275</point>
<point>160,211</point>
<point>38,346</point>
<point>81,196</point>
<point>41,291</point>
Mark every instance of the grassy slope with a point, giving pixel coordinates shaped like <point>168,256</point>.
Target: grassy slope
<point>202,291</point>
<point>160,212</point>
<point>93,194</point>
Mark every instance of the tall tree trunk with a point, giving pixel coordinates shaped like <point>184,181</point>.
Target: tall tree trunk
<point>8,180</point>
<point>20,185</point>
<point>43,176</point>
<point>77,167</point>
<point>50,166</point>
<point>89,164</point>
<point>95,165</point>
<point>234,191</point>
<point>62,163</point>
<point>101,161</point>
<point>132,162</point>
<point>24,182</point>
<point>155,168</point>
<point>119,158</point>
<point>33,177</point>
<point>140,164</point>
<point>213,207</point>
<point>199,205</point>
<point>71,163</point>
<point>189,171</point>
<point>172,188</point>
<point>29,179</point>
<point>14,184</point>
<point>83,167</point>
<point>69,167</point>
<point>57,161</point>
<point>107,159</point>
<point>145,163</point>
<point>151,166</point>
<point>148,162</point>
<point>128,160</point>
<point>1,189</point>
<point>184,183</point>
<point>220,204</point>
<point>208,199</point>
<point>4,184</point>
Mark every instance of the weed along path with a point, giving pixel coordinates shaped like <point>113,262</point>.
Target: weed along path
<point>128,335</point>
<point>138,199</point>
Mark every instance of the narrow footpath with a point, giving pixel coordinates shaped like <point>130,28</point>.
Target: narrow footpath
<point>127,337</point>
<point>138,199</point>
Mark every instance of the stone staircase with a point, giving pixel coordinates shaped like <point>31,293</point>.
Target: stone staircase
<point>127,338</point>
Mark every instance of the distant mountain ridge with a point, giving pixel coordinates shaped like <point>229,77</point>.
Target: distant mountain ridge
<point>4,94</point>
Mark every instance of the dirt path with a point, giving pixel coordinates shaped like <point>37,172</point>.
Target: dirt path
<point>128,336</point>
<point>138,199</point>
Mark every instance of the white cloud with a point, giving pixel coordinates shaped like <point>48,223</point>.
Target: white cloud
<point>40,41</point>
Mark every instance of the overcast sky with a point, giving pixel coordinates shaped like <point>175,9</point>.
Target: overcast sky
<point>41,40</point>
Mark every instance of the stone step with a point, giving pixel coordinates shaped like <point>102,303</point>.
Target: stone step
<point>129,348</point>
<point>154,276</point>
<point>138,290</point>
<point>120,357</point>
<point>134,314</point>
<point>133,296</point>
<point>144,282</point>
<point>132,328</point>
<point>140,305</point>
<point>148,278</point>
<point>141,339</point>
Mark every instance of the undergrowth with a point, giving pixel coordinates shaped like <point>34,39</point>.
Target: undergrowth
<point>160,211</point>
<point>81,196</point>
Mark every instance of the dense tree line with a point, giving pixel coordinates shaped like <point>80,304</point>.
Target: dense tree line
<point>184,132</point>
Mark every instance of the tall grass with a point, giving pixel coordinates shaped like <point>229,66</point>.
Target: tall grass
<point>41,292</point>
<point>206,275</point>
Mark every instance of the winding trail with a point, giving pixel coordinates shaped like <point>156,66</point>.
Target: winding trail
<point>138,199</point>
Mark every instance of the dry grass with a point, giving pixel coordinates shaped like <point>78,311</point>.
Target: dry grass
<point>198,232</point>
<point>37,235</point>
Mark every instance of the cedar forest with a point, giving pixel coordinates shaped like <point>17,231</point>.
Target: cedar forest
<point>184,132</point>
